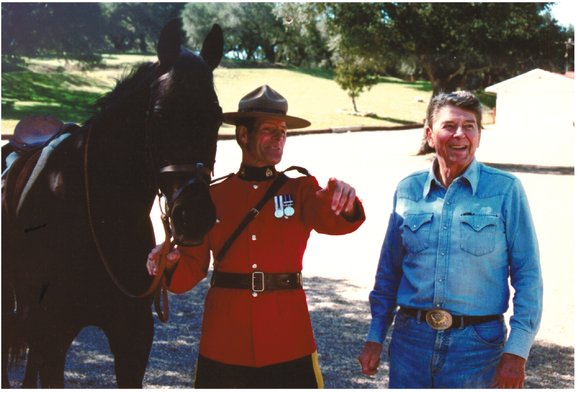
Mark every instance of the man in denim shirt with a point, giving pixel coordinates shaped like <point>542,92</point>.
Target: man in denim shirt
<point>457,234</point>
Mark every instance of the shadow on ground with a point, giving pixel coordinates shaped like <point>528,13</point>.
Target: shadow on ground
<point>339,322</point>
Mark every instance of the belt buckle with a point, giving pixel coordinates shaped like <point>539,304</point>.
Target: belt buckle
<point>439,319</point>
<point>262,284</point>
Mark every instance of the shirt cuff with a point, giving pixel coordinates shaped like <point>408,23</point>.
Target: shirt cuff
<point>378,330</point>
<point>519,343</point>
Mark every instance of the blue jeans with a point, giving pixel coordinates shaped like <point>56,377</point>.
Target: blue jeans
<point>421,357</point>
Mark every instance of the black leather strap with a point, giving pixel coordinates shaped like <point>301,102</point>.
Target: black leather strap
<point>257,281</point>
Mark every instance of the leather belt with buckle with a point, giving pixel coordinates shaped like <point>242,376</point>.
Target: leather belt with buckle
<point>440,319</point>
<point>257,281</point>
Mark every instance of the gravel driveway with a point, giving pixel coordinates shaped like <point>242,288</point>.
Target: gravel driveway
<point>339,272</point>
<point>339,325</point>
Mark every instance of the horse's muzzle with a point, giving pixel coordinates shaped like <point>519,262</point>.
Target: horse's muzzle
<point>189,206</point>
<point>192,214</point>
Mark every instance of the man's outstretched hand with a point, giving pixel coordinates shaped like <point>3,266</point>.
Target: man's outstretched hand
<point>341,197</point>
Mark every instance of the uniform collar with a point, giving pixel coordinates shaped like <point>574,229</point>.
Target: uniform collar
<point>470,176</point>
<point>249,173</point>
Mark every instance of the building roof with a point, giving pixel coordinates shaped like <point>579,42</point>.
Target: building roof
<point>534,80</point>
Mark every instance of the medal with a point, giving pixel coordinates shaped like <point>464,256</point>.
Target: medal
<point>288,205</point>
<point>278,204</point>
<point>283,206</point>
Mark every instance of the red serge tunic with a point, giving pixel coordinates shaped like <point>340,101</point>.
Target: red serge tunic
<point>274,326</point>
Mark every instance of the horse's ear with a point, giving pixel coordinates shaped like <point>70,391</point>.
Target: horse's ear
<point>213,47</point>
<point>169,44</point>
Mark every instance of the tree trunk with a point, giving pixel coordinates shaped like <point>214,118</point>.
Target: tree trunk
<point>354,103</point>
<point>270,53</point>
<point>142,44</point>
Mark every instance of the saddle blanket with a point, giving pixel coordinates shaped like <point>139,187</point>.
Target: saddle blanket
<point>42,160</point>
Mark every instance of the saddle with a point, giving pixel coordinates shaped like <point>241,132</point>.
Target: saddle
<point>27,151</point>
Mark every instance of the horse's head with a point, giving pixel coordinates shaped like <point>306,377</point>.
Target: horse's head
<point>183,122</point>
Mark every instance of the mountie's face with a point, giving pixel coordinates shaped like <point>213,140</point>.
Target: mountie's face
<point>264,146</point>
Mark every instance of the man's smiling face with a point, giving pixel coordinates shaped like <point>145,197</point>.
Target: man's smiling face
<point>264,146</point>
<point>455,137</point>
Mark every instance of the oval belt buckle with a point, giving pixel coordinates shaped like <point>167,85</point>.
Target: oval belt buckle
<point>439,319</point>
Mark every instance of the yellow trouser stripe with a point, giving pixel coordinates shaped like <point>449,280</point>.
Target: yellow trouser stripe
<point>316,369</point>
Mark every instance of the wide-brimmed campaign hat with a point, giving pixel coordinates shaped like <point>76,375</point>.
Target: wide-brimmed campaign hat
<point>264,102</point>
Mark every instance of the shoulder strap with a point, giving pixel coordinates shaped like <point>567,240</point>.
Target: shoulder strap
<point>221,178</point>
<point>282,178</point>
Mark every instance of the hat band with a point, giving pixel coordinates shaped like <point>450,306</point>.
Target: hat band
<point>269,110</point>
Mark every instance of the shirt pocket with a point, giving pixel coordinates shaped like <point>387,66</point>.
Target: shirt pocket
<point>416,231</point>
<point>478,233</point>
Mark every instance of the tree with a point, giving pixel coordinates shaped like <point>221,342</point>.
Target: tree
<point>73,31</point>
<point>82,31</point>
<point>251,30</point>
<point>457,45</point>
<point>136,26</point>
<point>354,75</point>
<point>305,41</point>
<point>453,43</point>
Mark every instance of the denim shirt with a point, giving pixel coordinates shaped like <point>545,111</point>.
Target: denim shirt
<point>457,248</point>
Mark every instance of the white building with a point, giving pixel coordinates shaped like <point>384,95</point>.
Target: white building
<point>535,101</point>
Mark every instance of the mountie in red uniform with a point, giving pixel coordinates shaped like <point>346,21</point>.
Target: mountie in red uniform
<point>255,329</point>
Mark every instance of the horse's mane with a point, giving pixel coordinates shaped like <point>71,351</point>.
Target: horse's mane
<point>128,91</point>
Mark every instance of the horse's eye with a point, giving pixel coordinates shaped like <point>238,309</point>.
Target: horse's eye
<point>158,110</point>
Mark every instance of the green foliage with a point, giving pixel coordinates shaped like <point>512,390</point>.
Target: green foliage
<point>68,30</point>
<point>354,77</point>
<point>251,30</point>
<point>305,41</point>
<point>81,31</point>
<point>467,45</point>
<point>136,26</point>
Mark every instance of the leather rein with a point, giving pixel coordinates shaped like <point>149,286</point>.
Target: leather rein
<point>158,285</point>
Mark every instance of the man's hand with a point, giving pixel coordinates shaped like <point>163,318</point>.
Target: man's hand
<point>341,196</point>
<point>154,256</point>
<point>370,358</point>
<point>511,372</point>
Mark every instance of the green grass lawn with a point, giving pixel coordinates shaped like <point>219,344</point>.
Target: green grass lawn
<point>50,86</point>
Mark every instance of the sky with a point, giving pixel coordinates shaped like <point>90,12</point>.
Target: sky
<point>566,12</point>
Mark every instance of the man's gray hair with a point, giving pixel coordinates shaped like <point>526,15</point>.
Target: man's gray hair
<point>461,99</point>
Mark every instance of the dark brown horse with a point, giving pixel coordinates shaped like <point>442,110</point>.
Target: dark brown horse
<point>89,207</point>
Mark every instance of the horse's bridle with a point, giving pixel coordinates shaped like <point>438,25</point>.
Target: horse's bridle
<point>199,171</point>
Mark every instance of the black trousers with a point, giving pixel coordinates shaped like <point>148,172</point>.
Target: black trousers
<point>301,373</point>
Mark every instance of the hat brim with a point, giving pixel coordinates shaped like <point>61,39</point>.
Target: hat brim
<point>292,122</point>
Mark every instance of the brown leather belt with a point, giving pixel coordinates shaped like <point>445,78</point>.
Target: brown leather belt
<point>257,281</point>
<point>440,319</point>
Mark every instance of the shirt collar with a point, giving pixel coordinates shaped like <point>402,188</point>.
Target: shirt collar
<point>470,176</point>
<point>249,173</point>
